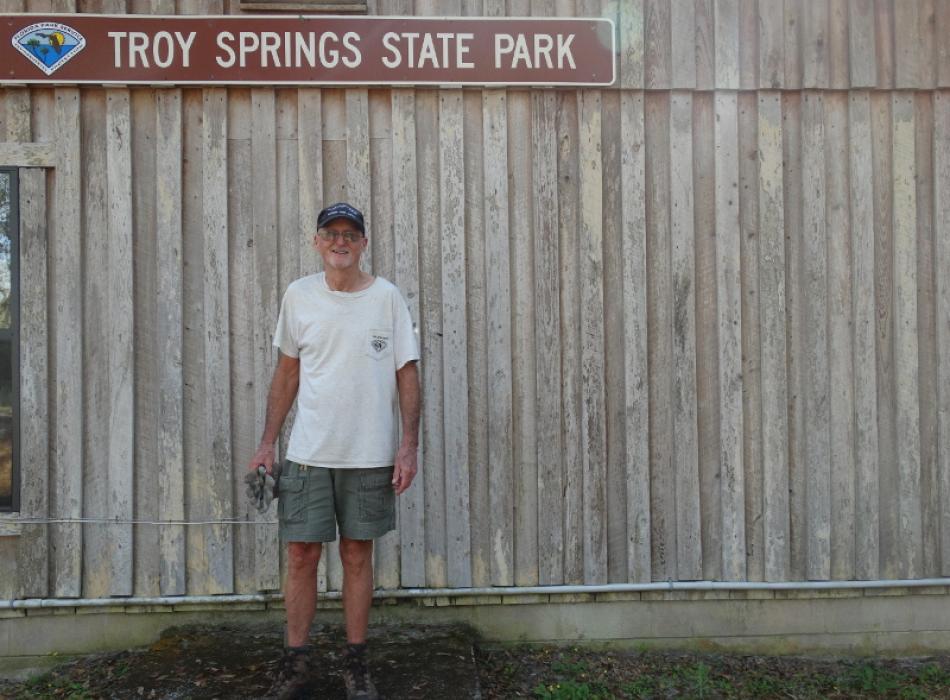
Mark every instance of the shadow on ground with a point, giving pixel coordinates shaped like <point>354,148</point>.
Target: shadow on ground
<point>241,662</point>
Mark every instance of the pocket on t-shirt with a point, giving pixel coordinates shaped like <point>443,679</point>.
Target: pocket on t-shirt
<point>379,343</point>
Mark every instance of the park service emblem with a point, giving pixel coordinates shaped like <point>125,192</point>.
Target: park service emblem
<point>49,45</point>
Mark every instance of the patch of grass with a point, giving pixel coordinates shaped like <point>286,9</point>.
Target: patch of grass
<point>869,678</point>
<point>570,690</point>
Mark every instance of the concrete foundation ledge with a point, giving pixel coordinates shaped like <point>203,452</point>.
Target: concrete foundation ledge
<point>914,622</point>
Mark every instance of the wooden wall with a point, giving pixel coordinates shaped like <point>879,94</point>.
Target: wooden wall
<point>695,326</point>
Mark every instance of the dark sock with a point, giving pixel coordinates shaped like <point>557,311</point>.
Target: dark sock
<point>356,649</point>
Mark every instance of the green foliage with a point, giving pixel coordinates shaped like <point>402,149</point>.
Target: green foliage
<point>566,690</point>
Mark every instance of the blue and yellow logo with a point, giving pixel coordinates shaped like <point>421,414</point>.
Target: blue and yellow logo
<point>48,45</point>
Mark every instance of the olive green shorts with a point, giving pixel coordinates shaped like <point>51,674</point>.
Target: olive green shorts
<point>313,500</point>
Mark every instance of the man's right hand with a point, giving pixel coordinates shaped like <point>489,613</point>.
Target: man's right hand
<point>265,455</point>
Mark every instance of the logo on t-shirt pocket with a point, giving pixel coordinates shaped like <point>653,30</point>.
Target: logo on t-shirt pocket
<point>379,343</point>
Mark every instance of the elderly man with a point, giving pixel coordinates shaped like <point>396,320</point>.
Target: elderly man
<point>347,353</point>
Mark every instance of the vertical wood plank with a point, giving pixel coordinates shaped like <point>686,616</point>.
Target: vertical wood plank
<point>705,44</point>
<point>795,293</point>
<point>659,332</point>
<point>657,51</point>
<point>729,317</point>
<point>495,136</point>
<point>748,44</point>
<point>454,340</point>
<point>119,337</point>
<point>246,318</point>
<point>593,424</point>
<point>793,44</point>
<point>774,358</point>
<point>66,322</point>
<point>815,279</point>
<point>683,44</point>
<point>523,351</point>
<point>771,44</point>
<point>477,311</point>
<point>310,182</point>
<point>865,377</point>
<point>943,47</point>
<point>927,333</point>
<point>568,208</point>
<point>907,40</point>
<point>815,55</point>
<point>96,570</point>
<point>264,265</point>
<point>430,278</point>
<point>882,153</point>
<point>614,393</point>
<point>168,230</point>
<point>747,108</point>
<point>927,49</point>
<point>630,61</point>
<point>216,487</point>
<point>884,42</point>
<point>634,253</point>
<point>907,408</point>
<point>840,324</point>
<point>727,44</point>
<point>942,262</point>
<point>146,543</point>
<point>707,336</point>
<point>862,49</point>
<point>406,224</point>
<point>685,454</point>
<point>32,563</point>
<point>548,368</point>
<point>838,49</point>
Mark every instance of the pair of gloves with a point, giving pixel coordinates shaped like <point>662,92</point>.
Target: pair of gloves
<point>262,487</point>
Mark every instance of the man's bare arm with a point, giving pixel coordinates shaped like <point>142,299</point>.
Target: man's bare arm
<point>283,391</point>
<point>407,383</point>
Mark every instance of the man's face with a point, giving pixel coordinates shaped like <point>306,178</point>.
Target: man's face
<point>339,253</point>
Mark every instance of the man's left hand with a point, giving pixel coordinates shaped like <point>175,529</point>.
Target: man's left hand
<point>405,468</point>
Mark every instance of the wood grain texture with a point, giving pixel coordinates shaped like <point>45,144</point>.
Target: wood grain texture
<point>942,20</point>
<point>310,175</point>
<point>862,50</point>
<point>772,338</point>
<point>547,331</point>
<point>630,63</point>
<point>907,44</point>
<point>867,549</point>
<point>634,247</point>
<point>32,554</point>
<point>66,352</point>
<point>884,42</point>
<point>657,51</point>
<point>593,423</point>
<point>815,279</point>
<point>497,282</point>
<point>729,333</point>
<point>840,325</point>
<point>942,262</point>
<point>838,45</point>
<point>685,447</point>
<point>121,363</point>
<point>727,44</point>
<point>168,231</point>
<point>907,408</point>
<point>815,54</point>
<point>28,155</point>
<point>683,44</point>
<point>406,226</point>
<point>454,340</point>
<point>771,44</point>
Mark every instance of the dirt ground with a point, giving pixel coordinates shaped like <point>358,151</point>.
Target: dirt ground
<point>426,662</point>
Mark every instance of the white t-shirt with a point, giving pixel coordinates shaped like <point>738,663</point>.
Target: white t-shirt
<point>350,345</point>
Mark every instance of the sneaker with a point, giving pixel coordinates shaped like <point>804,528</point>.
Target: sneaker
<point>356,674</point>
<point>293,680</point>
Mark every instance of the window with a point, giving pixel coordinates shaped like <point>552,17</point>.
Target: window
<point>9,323</point>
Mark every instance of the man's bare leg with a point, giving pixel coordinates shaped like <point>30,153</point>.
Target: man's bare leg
<point>357,559</point>
<point>300,592</point>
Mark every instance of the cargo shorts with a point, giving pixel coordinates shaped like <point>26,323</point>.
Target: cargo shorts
<point>314,500</point>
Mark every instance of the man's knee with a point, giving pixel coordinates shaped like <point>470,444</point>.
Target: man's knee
<point>355,554</point>
<point>303,557</point>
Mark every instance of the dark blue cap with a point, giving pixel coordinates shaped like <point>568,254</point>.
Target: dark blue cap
<point>341,210</point>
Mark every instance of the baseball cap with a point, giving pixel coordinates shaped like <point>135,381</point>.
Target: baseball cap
<point>341,210</point>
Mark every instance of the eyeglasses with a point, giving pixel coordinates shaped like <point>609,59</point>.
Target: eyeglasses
<point>330,235</point>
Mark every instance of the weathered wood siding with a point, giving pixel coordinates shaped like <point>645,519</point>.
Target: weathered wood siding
<point>694,325</point>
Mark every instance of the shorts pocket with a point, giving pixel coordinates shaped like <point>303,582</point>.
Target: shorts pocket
<point>379,343</point>
<point>377,497</point>
<point>292,502</point>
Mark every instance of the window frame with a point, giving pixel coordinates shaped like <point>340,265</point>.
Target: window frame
<point>13,333</point>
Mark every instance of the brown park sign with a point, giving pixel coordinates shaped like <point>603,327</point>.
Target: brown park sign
<point>319,50</point>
